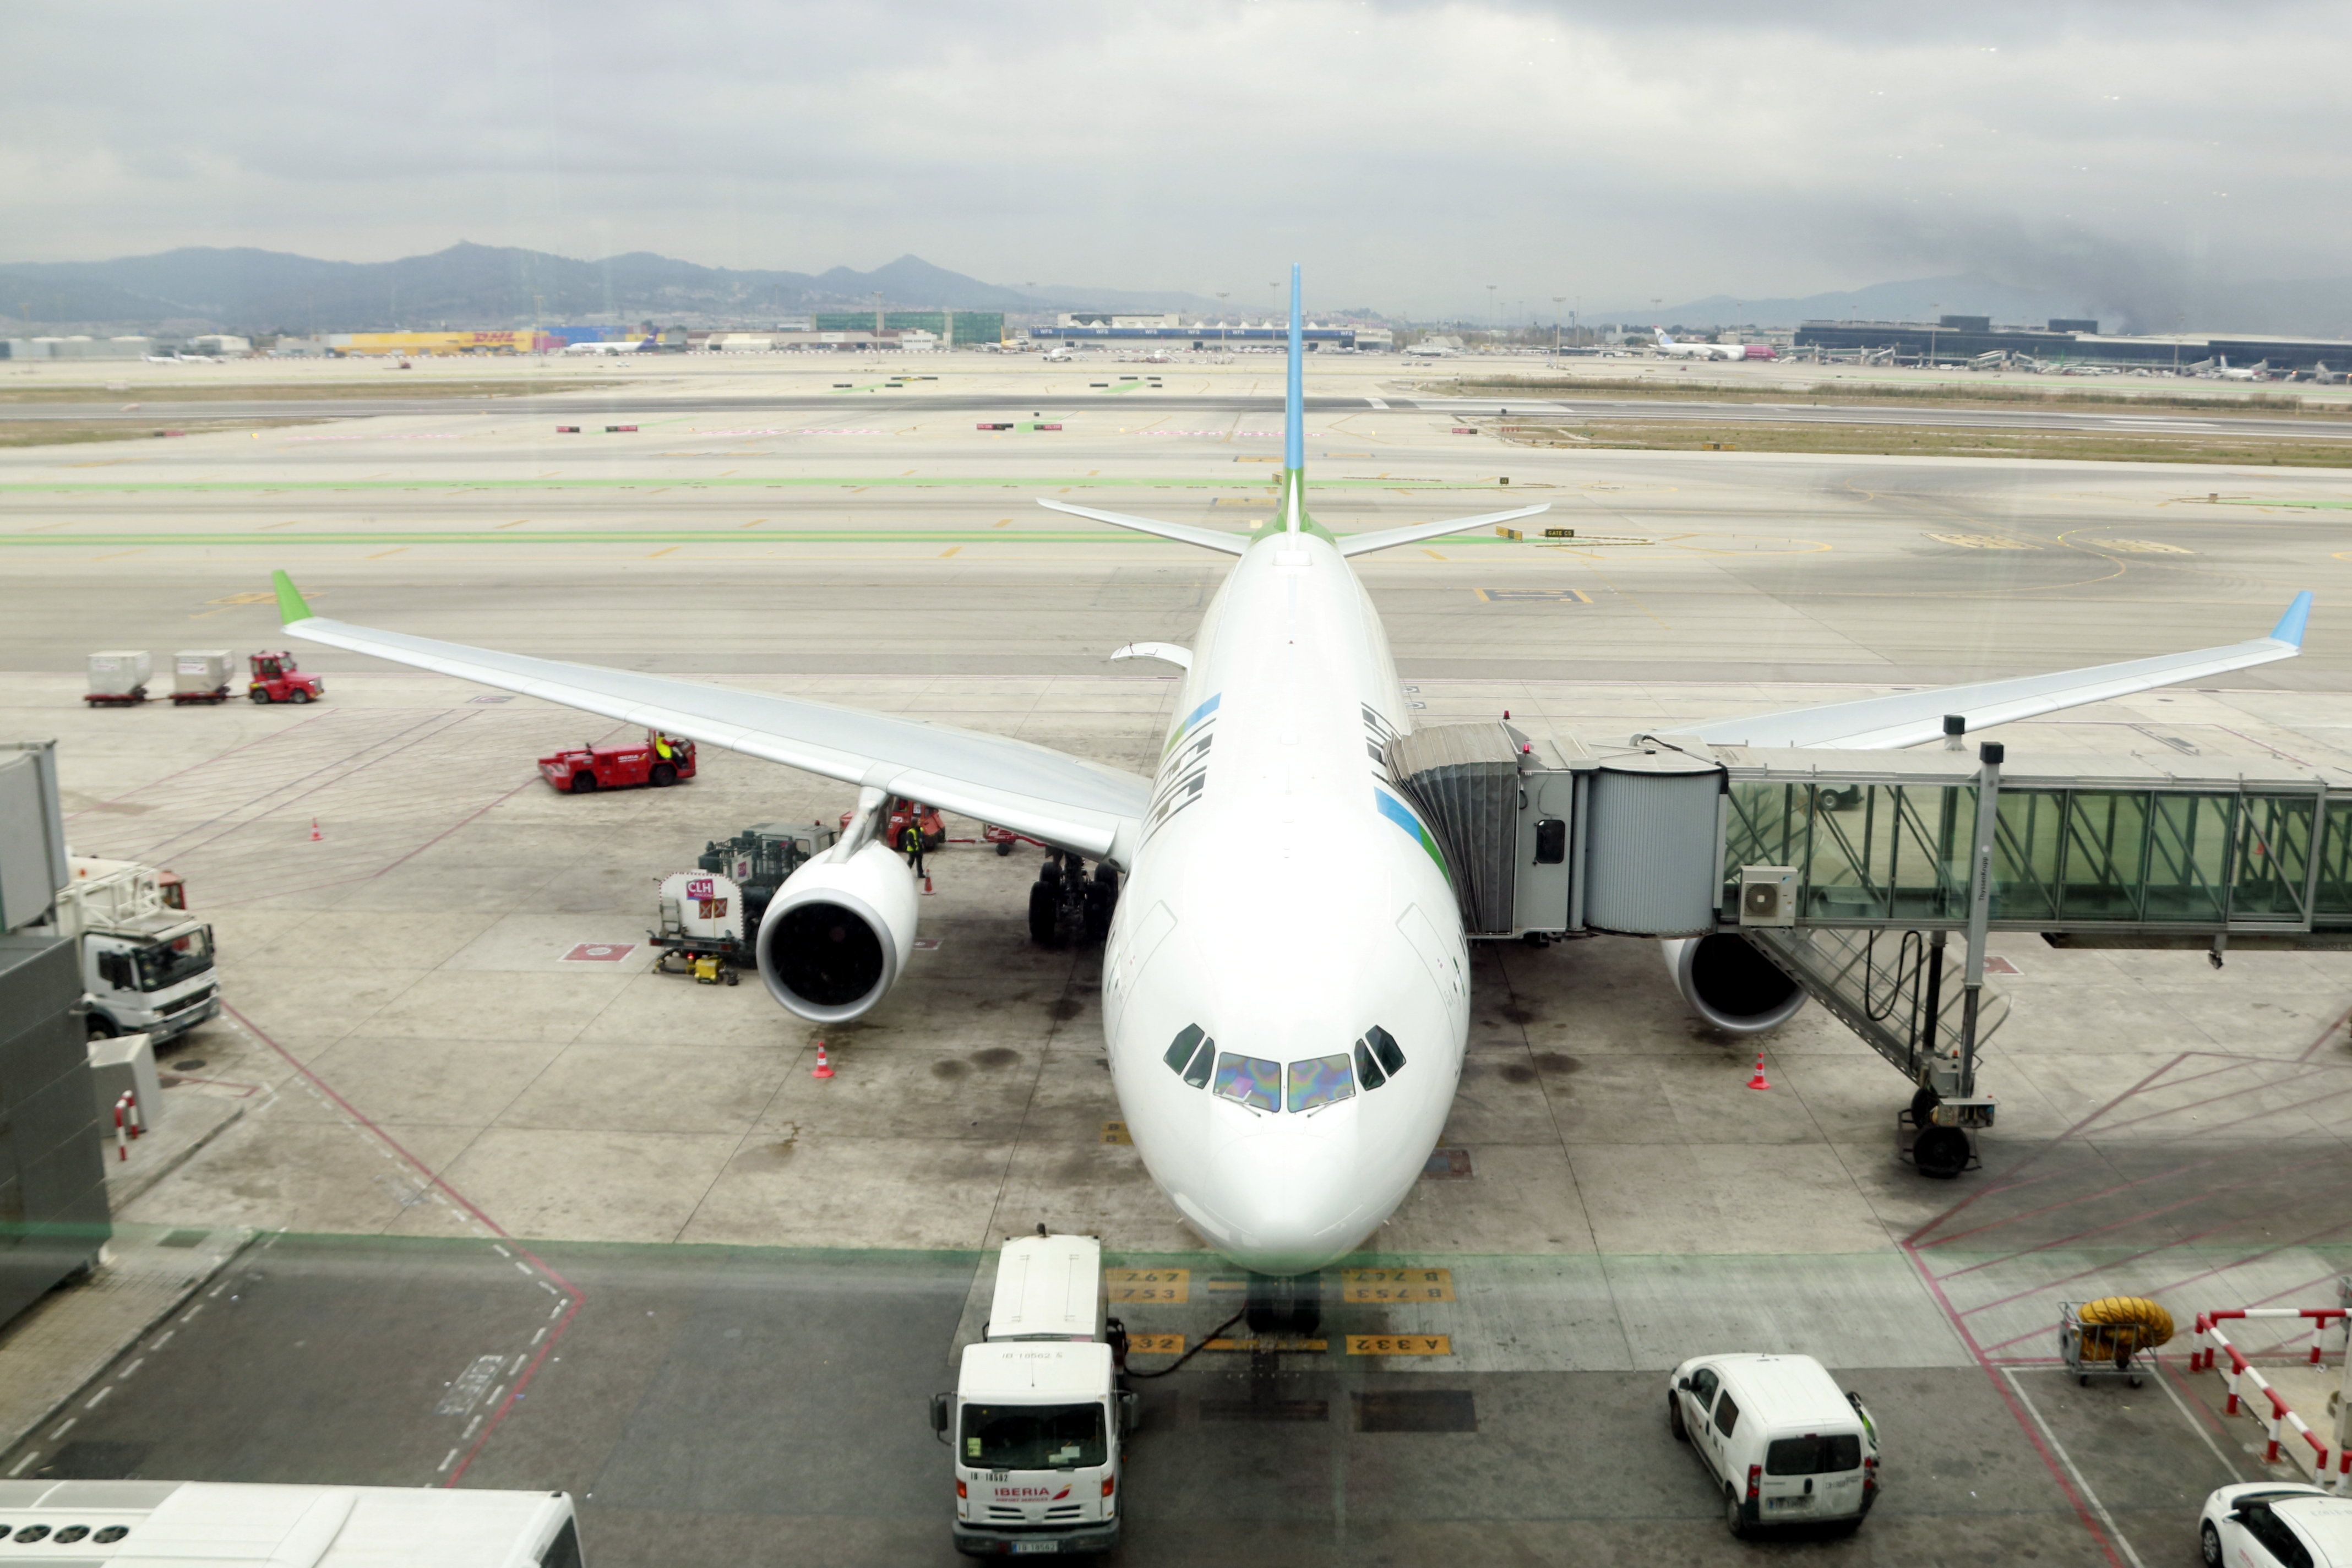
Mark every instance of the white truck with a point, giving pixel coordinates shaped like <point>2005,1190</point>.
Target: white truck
<point>1037,1418</point>
<point>146,966</point>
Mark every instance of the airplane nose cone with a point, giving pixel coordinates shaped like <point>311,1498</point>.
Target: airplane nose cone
<point>1282,1203</point>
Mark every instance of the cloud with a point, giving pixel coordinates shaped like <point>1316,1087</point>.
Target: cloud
<point>1410,154</point>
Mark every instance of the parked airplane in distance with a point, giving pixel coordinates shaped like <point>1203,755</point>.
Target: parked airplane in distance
<point>632,346</point>
<point>1669,348</point>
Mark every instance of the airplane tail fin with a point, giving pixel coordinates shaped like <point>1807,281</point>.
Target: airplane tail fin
<point>1294,417</point>
<point>1665,341</point>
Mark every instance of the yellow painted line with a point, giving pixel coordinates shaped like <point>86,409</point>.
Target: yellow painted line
<point>1982,541</point>
<point>660,553</point>
<point>1155,1344</point>
<point>516,523</point>
<point>1166,1287</point>
<point>1432,554</point>
<point>119,555</point>
<point>1277,1343</point>
<point>755,522</point>
<point>1396,1284</point>
<point>1400,1344</point>
<point>267,526</point>
<point>382,553</point>
<point>1000,523</point>
<point>950,550</point>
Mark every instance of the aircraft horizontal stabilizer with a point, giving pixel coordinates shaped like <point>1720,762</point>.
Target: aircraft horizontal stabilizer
<point>1910,718</point>
<point>1182,532</point>
<point>1389,538</point>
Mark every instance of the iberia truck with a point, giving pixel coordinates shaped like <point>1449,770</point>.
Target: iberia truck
<point>146,967</point>
<point>1038,1417</point>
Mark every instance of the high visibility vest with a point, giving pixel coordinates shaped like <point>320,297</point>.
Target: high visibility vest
<point>661,747</point>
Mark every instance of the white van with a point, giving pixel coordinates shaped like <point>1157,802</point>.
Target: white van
<point>1785,1443</point>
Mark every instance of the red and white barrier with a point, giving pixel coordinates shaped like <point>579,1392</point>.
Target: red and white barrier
<point>2331,1469</point>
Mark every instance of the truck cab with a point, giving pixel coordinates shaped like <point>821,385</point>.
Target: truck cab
<point>146,967</point>
<point>1037,1418</point>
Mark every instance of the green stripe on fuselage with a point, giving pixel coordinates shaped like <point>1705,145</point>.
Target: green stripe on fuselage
<point>1293,482</point>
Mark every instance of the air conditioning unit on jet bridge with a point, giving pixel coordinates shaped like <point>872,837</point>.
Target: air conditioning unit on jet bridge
<point>1768,896</point>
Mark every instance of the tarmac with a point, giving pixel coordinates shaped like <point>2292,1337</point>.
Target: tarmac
<point>531,1215</point>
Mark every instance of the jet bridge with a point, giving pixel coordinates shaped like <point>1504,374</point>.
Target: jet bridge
<point>1848,873</point>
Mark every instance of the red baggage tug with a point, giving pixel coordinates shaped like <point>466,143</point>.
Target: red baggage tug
<point>659,759</point>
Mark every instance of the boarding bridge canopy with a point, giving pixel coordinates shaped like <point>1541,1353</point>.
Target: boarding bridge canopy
<point>1656,837</point>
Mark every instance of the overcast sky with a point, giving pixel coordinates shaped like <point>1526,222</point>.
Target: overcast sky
<point>1410,155</point>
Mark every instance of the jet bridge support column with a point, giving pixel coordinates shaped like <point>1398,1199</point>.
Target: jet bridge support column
<point>1949,1107</point>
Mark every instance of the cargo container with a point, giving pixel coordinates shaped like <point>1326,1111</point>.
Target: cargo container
<point>200,675</point>
<point>119,676</point>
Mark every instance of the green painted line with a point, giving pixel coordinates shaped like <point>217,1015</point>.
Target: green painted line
<point>2308,505</point>
<point>901,482</point>
<point>616,536</point>
<point>1119,386</point>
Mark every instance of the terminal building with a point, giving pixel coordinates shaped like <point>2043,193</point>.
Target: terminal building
<point>1104,326</point>
<point>2066,341</point>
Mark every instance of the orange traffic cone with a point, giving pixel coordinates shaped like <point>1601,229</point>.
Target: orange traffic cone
<point>1759,1081</point>
<point>824,1068</point>
<point>314,830</point>
<point>926,882</point>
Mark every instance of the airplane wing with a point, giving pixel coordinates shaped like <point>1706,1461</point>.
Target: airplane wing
<point>1062,800</point>
<point>1412,534</point>
<point>1908,718</point>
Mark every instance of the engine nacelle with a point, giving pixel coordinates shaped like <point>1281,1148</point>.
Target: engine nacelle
<point>1730,985</point>
<point>838,933</point>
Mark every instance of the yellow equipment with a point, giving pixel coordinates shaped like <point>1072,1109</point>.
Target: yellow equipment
<point>2102,1336</point>
<point>707,968</point>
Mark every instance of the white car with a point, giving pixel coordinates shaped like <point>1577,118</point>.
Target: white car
<point>2265,1524</point>
<point>1783,1441</point>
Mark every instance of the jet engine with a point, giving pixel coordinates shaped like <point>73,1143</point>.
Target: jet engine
<point>1730,985</point>
<point>837,935</point>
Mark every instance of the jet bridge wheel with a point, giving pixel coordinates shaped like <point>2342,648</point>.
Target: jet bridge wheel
<point>1941,1153</point>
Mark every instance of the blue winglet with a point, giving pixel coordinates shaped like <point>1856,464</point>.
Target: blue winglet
<point>2290,626</point>
<point>1294,423</point>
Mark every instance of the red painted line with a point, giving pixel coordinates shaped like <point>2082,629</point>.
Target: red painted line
<point>2068,1203</point>
<point>2071,1132</point>
<point>2024,1422</point>
<point>208,762</point>
<point>282,798</point>
<point>395,864</point>
<point>575,1296</point>
<point>2218,1098</point>
<point>2165,1246</point>
<point>2326,1035</point>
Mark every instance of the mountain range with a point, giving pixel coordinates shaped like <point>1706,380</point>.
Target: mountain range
<point>200,288</point>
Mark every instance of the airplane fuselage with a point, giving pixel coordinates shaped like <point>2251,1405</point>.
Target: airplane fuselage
<point>1286,903</point>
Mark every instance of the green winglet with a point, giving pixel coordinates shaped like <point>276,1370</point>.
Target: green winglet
<point>290,608</point>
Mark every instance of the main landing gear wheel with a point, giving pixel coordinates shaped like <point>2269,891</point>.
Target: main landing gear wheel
<point>1941,1153</point>
<point>1044,910</point>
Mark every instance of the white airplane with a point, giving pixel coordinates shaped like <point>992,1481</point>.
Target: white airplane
<point>2225,370</point>
<point>1670,349</point>
<point>1430,351</point>
<point>635,345</point>
<point>1286,980</point>
<point>1060,354</point>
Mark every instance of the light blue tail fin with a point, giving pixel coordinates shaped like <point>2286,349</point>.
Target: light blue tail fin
<point>1293,414</point>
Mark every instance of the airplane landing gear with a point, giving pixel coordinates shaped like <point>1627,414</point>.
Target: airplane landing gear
<point>1067,905</point>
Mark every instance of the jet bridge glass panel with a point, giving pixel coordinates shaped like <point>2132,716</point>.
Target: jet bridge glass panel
<point>2197,856</point>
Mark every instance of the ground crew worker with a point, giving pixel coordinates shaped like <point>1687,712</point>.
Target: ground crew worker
<point>662,747</point>
<point>911,841</point>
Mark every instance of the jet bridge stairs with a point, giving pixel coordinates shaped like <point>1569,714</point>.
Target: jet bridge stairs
<point>1870,880</point>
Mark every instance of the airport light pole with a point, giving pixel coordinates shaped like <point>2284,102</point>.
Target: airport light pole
<point>1492,320</point>
<point>1224,328</point>
<point>1556,301</point>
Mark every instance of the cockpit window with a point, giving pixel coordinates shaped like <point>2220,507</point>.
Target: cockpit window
<point>1246,1080</point>
<point>1319,1081</point>
<point>1368,1070</point>
<point>1390,1055</point>
<point>1190,1056</point>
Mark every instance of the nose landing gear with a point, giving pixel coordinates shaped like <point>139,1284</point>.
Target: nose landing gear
<point>1067,905</point>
